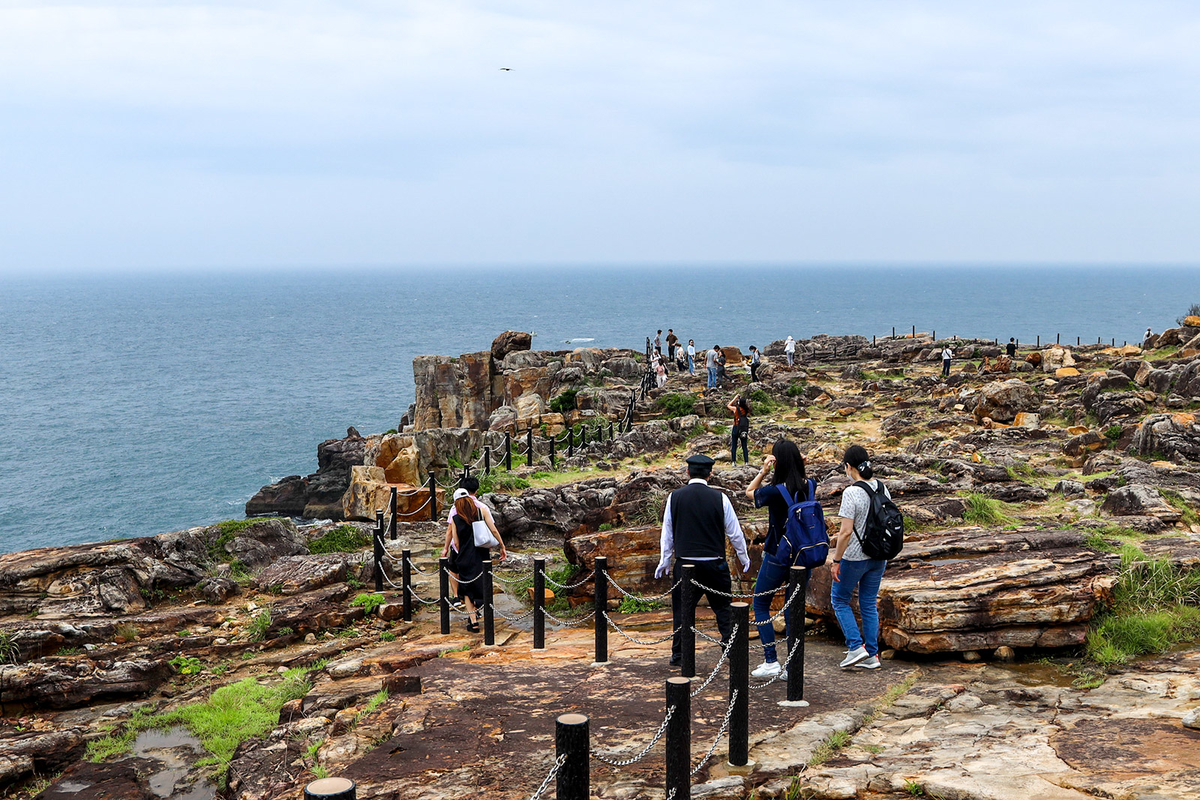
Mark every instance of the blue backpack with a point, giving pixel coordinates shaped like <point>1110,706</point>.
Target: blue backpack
<point>804,542</point>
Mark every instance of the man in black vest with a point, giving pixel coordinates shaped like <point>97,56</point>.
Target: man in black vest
<point>697,520</point>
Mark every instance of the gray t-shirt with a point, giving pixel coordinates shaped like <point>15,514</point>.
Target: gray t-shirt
<point>856,505</point>
<point>710,360</point>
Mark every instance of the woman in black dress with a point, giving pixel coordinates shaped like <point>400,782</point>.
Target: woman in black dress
<point>466,560</point>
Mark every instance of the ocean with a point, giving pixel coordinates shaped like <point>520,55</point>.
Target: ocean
<point>131,405</point>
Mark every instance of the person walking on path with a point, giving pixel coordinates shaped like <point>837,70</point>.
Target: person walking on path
<point>947,354</point>
<point>710,362</point>
<point>691,356</point>
<point>672,341</point>
<point>850,567</point>
<point>741,428</point>
<point>696,522</point>
<point>789,347</point>
<point>466,560</point>
<point>1011,347</point>
<point>721,376</point>
<point>658,342</point>
<point>755,360</point>
<point>788,485</point>
<point>660,373</point>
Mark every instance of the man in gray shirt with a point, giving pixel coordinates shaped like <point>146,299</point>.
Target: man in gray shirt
<point>710,361</point>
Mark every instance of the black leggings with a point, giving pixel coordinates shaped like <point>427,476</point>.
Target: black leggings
<point>744,436</point>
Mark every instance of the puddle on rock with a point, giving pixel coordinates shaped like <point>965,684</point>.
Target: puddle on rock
<point>176,750</point>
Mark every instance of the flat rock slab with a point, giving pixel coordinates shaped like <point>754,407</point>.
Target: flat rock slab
<point>484,724</point>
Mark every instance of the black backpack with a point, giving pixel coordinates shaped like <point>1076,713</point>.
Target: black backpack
<point>883,535</point>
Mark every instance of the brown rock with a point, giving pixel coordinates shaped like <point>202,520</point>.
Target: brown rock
<point>510,342</point>
<point>1002,400</point>
<point>1065,372</point>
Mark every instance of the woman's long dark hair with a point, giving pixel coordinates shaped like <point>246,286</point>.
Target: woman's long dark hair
<point>857,457</point>
<point>789,469</point>
<point>744,405</point>
<point>466,508</point>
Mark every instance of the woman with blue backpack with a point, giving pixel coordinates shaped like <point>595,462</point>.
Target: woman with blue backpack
<point>789,494</point>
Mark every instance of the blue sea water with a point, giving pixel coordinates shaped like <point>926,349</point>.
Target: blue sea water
<point>132,404</point>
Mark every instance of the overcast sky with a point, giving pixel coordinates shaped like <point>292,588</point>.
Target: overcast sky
<point>164,135</point>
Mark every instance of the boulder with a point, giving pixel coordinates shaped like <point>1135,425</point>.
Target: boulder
<point>38,753</point>
<point>1077,446</point>
<point>1111,406</point>
<point>216,590</point>
<point>287,497</point>
<point>1056,357</point>
<point>1139,500</point>
<point>1169,436</point>
<point>111,780</point>
<point>978,589</point>
<point>510,342</point>
<point>70,684</point>
<point>262,543</point>
<point>1002,400</point>
<point>453,392</point>
<point>530,406</point>
<point>370,491</point>
<point>296,574</point>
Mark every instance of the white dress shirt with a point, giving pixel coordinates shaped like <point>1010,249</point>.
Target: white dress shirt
<point>733,532</point>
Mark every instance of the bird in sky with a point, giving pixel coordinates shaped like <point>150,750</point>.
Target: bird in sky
<point>506,69</point>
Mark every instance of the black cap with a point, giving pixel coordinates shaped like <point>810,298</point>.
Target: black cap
<point>699,460</point>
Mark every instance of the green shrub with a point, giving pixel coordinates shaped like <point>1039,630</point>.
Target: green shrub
<point>1113,432</point>
<point>565,402</point>
<point>186,665</point>
<point>636,605</point>
<point>342,539</point>
<point>796,389</point>
<point>983,510</point>
<point>676,405</point>
<point>258,627</point>
<point>387,636</point>
<point>369,602</point>
<point>10,651</point>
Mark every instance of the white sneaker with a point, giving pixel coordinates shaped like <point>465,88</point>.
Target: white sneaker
<point>853,657</point>
<point>869,663</point>
<point>767,669</point>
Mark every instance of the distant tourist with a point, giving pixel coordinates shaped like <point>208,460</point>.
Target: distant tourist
<point>1012,347</point>
<point>721,376</point>
<point>681,358</point>
<point>658,342</point>
<point>947,354</point>
<point>755,360</point>
<point>691,356</point>
<point>696,522</point>
<point>672,340</point>
<point>660,374</point>
<point>741,428</point>
<point>789,348</point>
<point>710,363</point>
<point>850,567</point>
<point>789,475</point>
<point>1148,334</point>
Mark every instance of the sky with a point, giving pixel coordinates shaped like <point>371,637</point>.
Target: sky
<point>166,136</point>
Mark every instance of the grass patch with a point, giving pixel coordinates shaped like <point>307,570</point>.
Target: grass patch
<point>1181,505</point>
<point>387,636</point>
<point>369,602</point>
<point>797,389</point>
<point>342,539</point>
<point>231,715</point>
<point>226,532</point>
<point>256,631</point>
<point>636,605</point>
<point>651,511</point>
<point>1154,609</point>
<point>676,405</point>
<point>501,481</point>
<point>830,747</point>
<point>983,510</point>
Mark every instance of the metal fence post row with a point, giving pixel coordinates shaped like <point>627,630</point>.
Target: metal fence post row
<point>406,584</point>
<point>600,621</point>
<point>444,593</point>
<point>679,739</point>
<point>688,624</point>
<point>489,618</point>
<point>739,681</point>
<point>539,604</point>
<point>571,745</point>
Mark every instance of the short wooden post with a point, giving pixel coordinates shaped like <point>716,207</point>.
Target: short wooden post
<point>331,789</point>
<point>539,604</point>
<point>573,781</point>
<point>489,614</point>
<point>679,739</point>
<point>406,584</point>
<point>444,593</point>
<point>600,621</point>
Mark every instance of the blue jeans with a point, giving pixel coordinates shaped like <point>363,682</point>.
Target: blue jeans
<point>771,576</point>
<point>691,366</point>
<point>712,377</point>
<point>865,576</point>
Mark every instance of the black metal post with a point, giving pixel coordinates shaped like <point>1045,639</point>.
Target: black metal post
<point>529,445</point>
<point>872,340</point>
<point>1039,341</point>
<point>489,614</point>
<point>552,455</point>
<point>600,590</point>
<point>570,442</point>
<point>893,331</point>
<point>444,593</point>
<point>610,431</point>
<point>377,546</point>
<point>573,781</point>
<point>1057,336</point>
<point>392,524</point>
<point>687,667</point>
<point>487,459</point>
<point>331,789</point>
<point>679,739</point>
<point>539,604</point>
<point>507,450</point>
<point>797,588</point>
<point>1077,338</point>
<point>406,584</point>
<point>432,496</point>
<point>583,435</point>
<point>914,331</point>
<point>739,682</point>
<point>935,336</point>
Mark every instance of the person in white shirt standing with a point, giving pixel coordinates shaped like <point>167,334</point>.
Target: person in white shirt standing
<point>947,354</point>
<point>696,522</point>
<point>789,347</point>
<point>691,356</point>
